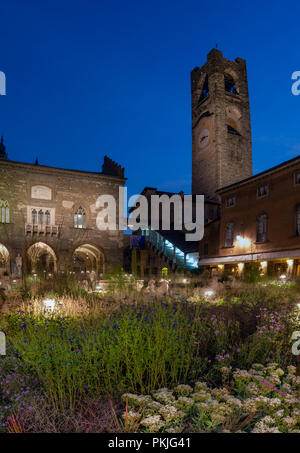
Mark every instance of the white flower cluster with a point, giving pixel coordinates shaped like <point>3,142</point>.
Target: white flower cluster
<point>265,396</point>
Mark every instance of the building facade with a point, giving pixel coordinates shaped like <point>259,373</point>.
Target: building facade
<point>48,218</point>
<point>259,218</point>
<point>259,224</point>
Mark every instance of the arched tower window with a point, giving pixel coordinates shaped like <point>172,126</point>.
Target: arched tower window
<point>232,130</point>
<point>262,223</point>
<point>4,211</point>
<point>205,90</point>
<point>230,85</point>
<point>80,218</point>
<point>229,234</point>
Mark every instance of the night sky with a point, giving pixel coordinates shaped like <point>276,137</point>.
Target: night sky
<point>89,78</point>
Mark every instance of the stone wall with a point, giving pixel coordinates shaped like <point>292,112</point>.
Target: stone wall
<point>62,193</point>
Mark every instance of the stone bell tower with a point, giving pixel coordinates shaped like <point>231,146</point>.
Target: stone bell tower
<point>221,130</point>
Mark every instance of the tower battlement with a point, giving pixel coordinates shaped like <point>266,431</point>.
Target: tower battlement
<point>112,168</point>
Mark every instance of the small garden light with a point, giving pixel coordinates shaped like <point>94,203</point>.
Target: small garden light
<point>49,304</point>
<point>208,293</point>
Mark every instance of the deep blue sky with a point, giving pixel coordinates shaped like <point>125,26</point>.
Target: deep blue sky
<point>89,78</point>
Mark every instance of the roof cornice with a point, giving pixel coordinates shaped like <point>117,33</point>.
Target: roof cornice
<point>270,171</point>
<point>54,170</point>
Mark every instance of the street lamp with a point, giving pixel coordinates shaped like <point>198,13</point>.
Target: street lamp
<point>242,241</point>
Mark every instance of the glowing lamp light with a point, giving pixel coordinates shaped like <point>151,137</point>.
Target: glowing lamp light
<point>184,280</point>
<point>220,266</point>
<point>263,264</point>
<point>242,242</point>
<point>283,277</point>
<point>49,304</point>
<point>240,266</point>
<point>208,293</point>
<point>290,262</point>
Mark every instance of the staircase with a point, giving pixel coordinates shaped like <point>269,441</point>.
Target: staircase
<point>176,256</point>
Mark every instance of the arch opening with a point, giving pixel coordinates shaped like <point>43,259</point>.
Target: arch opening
<point>205,90</point>
<point>88,258</point>
<point>4,260</point>
<point>41,258</point>
<point>230,85</point>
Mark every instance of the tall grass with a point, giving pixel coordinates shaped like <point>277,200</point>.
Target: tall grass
<point>140,347</point>
<point>135,351</point>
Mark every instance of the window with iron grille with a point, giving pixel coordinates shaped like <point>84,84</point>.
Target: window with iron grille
<point>262,221</point>
<point>297,177</point>
<point>230,201</point>
<point>229,234</point>
<point>263,190</point>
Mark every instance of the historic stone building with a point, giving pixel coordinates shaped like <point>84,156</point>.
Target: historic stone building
<point>48,215</point>
<point>259,221</point>
<point>221,132</point>
<point>259,224</point>
<point>249,220</point>
<point>48,218</point>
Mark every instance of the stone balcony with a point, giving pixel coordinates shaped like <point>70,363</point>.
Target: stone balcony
<point>31,229</point>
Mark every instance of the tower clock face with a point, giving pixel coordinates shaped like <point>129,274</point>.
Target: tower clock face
<point>203,139</point>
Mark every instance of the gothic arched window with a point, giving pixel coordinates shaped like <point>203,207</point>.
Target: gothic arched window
<point>80,218</point>
<point>262,222</point>
<point>47,218</point>
<point>298,220</point>
<point>41,217</point>
<point>205,90</point>
<point>230,85</point>
<point>229,234</point>
<point>34,217</point>
<point>4,212</point>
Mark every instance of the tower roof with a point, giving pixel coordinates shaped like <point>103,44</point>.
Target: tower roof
<point>3,154</point>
